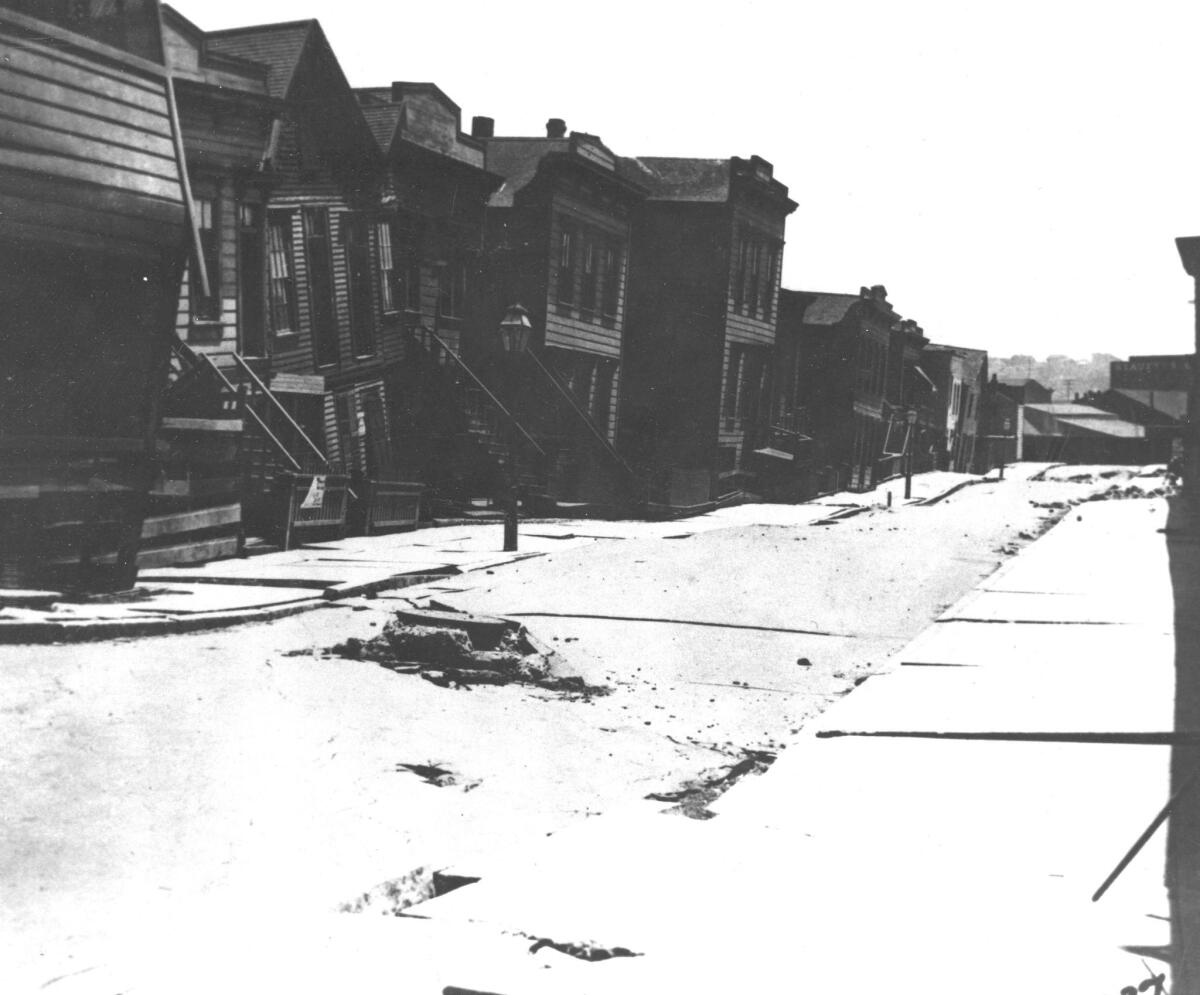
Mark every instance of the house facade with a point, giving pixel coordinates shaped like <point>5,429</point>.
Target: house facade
<point>706,257</point>
<point>558,243</point>
<point>850,371</point>
<point>961,378</point>
<point>430,229</point>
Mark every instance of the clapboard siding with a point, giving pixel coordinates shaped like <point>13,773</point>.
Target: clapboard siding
<point>59,71</point>
<point>23,110</point>
<point>576,328</point>
<point>89,153</point>
<point>224,137</point>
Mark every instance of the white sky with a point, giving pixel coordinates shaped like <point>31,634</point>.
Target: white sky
<point>1014,173</point>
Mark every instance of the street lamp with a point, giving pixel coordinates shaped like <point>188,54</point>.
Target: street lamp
<point>515,331</point>
<point>911,416</point>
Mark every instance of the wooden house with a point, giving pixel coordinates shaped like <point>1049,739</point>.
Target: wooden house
<point>445,424</point>
<point>327,342</point>
<point>849,373</point>
<point>706,256</point>
<point>558,243</point>
<point>92,243</point>
<point>961,378</point>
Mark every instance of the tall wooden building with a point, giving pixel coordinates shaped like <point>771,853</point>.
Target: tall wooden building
<point>430,233</point>
<point>92,243</point>
<point>558,243</point>
<point>849,374</point>
<point>705,264</point>
<point>328,289</point>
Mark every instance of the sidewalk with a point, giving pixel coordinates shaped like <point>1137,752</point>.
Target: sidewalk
<point>260,588</point>
<point>864,864</point>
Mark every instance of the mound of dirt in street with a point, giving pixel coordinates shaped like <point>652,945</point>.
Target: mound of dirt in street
<point>447,654</point>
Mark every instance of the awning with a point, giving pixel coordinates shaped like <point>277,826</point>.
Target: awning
<point>773,453</point>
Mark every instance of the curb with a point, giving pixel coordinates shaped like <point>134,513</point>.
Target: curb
<point>94,631</point>
<point>953,490</point>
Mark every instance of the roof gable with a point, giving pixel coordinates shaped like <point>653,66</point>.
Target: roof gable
<point>280,47</point>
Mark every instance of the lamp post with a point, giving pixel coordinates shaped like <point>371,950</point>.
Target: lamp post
<point>515,330</point>
<point>911,415</point>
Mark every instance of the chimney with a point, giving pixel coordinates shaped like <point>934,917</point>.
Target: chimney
<point>556,127</point>
<point>482,127</point>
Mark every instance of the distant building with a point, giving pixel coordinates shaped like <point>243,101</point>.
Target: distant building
<point>704,276</point>
<point>1080,433</point>
<point>1025,391</point>
<point>849,369</point>
<point>961,378</point>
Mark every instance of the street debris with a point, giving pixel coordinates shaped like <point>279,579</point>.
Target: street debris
<point>395,896</point>
<point>692,800</point>
<point>585,950</point>
<point>457,650</point>
<point>439,777</point>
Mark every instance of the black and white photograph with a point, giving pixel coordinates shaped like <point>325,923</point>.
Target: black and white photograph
<point>599,499</point>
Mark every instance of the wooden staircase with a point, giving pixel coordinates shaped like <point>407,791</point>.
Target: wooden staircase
<point>487,423</point>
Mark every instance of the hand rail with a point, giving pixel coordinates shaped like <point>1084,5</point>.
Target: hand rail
<point>491,397</point>
<point>608,446</point>
<point>262,425</point>
<point>237,358</point>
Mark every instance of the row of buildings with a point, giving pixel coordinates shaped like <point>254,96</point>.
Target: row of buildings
<point>362,260</point>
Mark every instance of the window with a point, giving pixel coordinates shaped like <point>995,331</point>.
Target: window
<point>612,281</point>
<point>566,265</point>
<point>589,266</point>
<point>281,287</point>
<point>739,277</point>
<point>357,246</point>
<point>250,280</point>
<point>768,297</point>
<point>320,285</point>
<point>452,289</point>
<point>347,430</point>
<point>386,277</point>
<point>753,277</point>
<point>208,308</point>
<point>733,381</point>
<point>412,280</point>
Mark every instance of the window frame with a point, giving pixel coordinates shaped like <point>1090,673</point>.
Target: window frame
<point>565,283</point>
<point>251,270</point>
<point>282,221</point>
<point>322,307</point>
<point>208,223</point>
<point>355,237</point>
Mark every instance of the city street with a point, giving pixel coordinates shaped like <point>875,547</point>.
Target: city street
<point>246,774</point>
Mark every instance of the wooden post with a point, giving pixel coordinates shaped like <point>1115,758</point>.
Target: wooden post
<point>510,512</point>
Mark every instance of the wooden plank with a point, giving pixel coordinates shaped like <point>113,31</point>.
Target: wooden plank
<point>208,487</point>
<point>203,424</point>
<point>50,66</point>
<point>96,173</point>
<point>40,190</point>
<point>91,243</point>
<point>191,521</point>
<point>92,51</point>
<point>34,112</point>
<point>52,95</point>
<point>35,213</point>
<point>40,444</point>
<point>192,552</point>
<point>36,138</point>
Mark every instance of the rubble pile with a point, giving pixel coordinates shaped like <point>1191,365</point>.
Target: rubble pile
<point>458,650</point>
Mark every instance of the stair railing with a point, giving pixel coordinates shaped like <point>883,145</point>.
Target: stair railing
<point>574,405</point>
<point>493,401</point>
<point>270,395</point>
